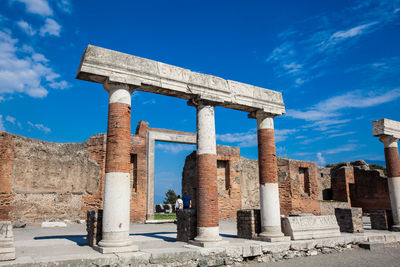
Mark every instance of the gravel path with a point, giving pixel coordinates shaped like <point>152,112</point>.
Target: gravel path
<point>389,256</point>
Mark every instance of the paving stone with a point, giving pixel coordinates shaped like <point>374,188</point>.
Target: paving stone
<point>372,245</point>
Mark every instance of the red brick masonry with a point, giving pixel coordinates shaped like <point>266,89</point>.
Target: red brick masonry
<point>118,138</point>
<point>207,191</point>
<point>267,157</point>
<point>392,161</point>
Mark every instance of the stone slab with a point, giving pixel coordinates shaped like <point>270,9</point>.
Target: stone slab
<point>386,127</point>
<point>53,224</point>
<point>108,250</point>
<point>310,227</point>
<point>371,245</point>
<point>209,244</point>
<point>100,64</point>
<point>159,221</point>
<point>9,256</point>
<point>273,239</point>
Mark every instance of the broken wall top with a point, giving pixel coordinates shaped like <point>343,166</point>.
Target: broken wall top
<point>100,64</point>
<point>386,127</point>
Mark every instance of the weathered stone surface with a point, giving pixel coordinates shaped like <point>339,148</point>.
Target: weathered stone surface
<point>328,206</point>
<point>386,127</point>
<point>310,227</point>
<point>350,220</point>
<point>99,64</point>
<point>186,224</point>
<point>248,223</point>
<point>94,222</point>
<point>53,224</point>
<point>7,250</point>
<point>381,219</point>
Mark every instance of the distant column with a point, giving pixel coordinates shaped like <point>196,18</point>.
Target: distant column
<point>116,206</point>
<point>268,176</point>
<point>393,171</point>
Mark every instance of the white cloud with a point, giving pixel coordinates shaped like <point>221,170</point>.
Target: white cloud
<point>2,128</point>
<point>65,6</point>
<point>40,7</point>
<point>326,115</point>
<point>1,99</point>
<point>344,148</point>
<point>22,70</point>
<point>357,99</point>
<point>340,36</point>
<point>39,58</point>
<point>320,159</point>
<point>24,26</point>
<point>39,127</point>
<point>340,134</point>
<point>249,139</point>
<point>175,148</point>
<point>10,119</point>
<point>51,27</point>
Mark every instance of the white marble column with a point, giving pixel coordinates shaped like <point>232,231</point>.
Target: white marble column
<point>117,191</point>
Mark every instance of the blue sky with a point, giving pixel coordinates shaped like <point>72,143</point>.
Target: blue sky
<point>337,64</point>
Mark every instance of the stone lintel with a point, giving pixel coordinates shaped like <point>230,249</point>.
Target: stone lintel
<point>384,127</point>
<point>99,64</point>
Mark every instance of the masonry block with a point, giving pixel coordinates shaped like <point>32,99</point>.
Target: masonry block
<point>248,223</point>
<point>349,220</point>
<point>381,219</point>
<point>94,223</point>
<point>186,224</point>
<point>7,249</point>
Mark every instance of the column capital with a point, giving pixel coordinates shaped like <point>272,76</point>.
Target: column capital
<point>264,120</point>
<point>196,102</point>
<point>388,140</point>
<point>110,86</point>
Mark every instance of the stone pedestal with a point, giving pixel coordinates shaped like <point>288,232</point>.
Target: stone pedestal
<point>349,220</point>
<point>381,219</point>
<point>310,227</point>
<point>186,224</point>
<point>248,223</point>
<point>7,249</point>
<point>94,224</point>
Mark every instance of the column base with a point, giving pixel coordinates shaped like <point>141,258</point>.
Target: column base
<point>272,237</point>
<point>108,250</point>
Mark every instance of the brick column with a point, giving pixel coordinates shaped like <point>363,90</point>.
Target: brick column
<point>116,206</point>
<point>393,170</point>
<point>207,187</point>
<point>268,175</point>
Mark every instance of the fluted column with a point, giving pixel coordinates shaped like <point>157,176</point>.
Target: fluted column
<point>393,171</point>
<point>116,205</point>
<point>268,177</point>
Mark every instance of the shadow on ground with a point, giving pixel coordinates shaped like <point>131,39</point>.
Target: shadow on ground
<point>80,240</point>
<point>159,235</point>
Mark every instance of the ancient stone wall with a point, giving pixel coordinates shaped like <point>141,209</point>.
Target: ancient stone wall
<point>48,180</point>
<point>42,181</point>
<point>298,185</point>
<point>324,183</point>
<point>228,177</point>
<point>357,185</point>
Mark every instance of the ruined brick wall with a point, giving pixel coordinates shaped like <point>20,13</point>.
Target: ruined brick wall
<point>42,181</point>
<point>298,190</point>
<point>6,167</point>
<point>228,178</point>
<point>357,185</point>
<point>324,183</point>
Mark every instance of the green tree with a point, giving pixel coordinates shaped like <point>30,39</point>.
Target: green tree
<point>170,197</point>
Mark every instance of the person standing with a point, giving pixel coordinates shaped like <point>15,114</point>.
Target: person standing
<point>187,201</point>
<point>178,203</point>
